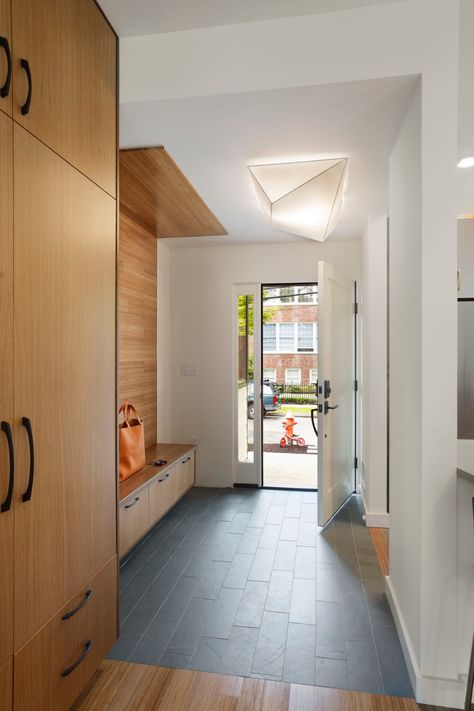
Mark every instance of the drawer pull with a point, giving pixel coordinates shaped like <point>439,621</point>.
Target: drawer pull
<point>85,652</point>
<point>135,501</point>
<point>164,478</point>
<point>84,601</point>
<point>25,65</point>
<point>5,89</point>
<point>8,501</point>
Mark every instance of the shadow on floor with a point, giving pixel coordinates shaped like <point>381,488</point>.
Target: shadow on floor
<point>243,582</point>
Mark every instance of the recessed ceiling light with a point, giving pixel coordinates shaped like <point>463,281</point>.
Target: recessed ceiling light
<point>302,198</point>
<point>467,162</point>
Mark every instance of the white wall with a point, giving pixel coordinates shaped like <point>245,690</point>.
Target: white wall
<point>164,315</point>
<point>373,380</point>
<point>201,296</point>
<point>412,37</point>
<point>405,371</point>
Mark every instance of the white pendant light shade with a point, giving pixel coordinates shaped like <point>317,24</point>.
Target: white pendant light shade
<point>302,198</point>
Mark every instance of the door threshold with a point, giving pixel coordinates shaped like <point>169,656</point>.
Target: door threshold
<point>287,488</point>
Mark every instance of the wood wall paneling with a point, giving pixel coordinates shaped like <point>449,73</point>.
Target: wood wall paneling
<point>157,195</point>
<point>137,321</point>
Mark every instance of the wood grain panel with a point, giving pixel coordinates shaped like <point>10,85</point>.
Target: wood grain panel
<point>133,521</point>
<point>71,50</point>
<point>5,31</point>
<point>137,322</point>
<point>380,541</point>
<point>64,354</point>
<point>121,686</point>
<point>39,664</point>
<point>6,685</point>
<point>155,194</point>
<point>6,380</point>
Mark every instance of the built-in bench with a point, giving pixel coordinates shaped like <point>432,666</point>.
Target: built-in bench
<point>148,495</point>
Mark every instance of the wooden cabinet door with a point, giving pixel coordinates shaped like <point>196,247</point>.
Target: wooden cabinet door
<point>6,66</point>
<point>6,686</point>
<point>71,52</point>
<point>6,382</point>
<point>64,348</point>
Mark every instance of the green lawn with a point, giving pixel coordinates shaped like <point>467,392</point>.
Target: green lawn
<point>296,409</point>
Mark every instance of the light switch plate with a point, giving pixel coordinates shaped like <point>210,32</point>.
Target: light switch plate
<point>189,369</point>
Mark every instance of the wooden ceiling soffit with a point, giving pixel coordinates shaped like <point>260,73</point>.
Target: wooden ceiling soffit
<point>156,195</point>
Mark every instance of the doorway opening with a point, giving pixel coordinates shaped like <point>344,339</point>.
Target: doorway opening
<point>289,376</point>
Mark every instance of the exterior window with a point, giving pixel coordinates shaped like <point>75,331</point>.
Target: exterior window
<point>271,294</point>
<point>269,337</point>
<point>270,374</point>
<point>305,337</point>
<point>305,295</point>
<point>287,338</point>
<point>292,376</point>
<point>287,294</point>
<point>313,376</point>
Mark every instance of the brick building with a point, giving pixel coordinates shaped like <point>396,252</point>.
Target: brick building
<point>290,334</point>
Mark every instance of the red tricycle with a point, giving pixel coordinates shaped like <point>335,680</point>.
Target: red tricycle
<point>290,438</point>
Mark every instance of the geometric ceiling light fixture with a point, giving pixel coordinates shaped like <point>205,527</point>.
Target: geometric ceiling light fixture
<point>303,198</point>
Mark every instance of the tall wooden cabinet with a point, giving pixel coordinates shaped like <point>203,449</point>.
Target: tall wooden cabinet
<point>5,57</point>
<point>58,562</point>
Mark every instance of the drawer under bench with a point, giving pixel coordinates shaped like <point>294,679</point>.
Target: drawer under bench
<point>148,495</point>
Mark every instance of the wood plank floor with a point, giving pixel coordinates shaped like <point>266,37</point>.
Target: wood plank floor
<point>121,686</point>
<point>380,541</point>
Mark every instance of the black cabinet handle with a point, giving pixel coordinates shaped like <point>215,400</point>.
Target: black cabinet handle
<point>85,652</point>
<point>129,506</point>
<point>25,421</point>
<point>25,109</point>
<point>5,88</point>
<point>85,600</point>
<point>8,501</point>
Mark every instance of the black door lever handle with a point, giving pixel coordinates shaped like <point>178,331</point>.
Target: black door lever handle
<point>328,407</point>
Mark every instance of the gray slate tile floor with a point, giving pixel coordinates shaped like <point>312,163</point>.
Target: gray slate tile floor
<point>242,581</point>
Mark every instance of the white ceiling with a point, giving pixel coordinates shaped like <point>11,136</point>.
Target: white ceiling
<point>142,17</point>
<point>214,139</point>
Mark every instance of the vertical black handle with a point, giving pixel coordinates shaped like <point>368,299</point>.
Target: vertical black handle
<point>8,501</point>
<point>25,421</point>
<point>25,109</point>
<point>5,88</point>
<point>313,422</point>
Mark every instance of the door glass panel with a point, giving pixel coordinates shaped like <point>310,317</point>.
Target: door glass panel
<point>245,375</point>
<point>289,399</point>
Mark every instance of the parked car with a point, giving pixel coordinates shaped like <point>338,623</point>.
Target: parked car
<point>270,399</point>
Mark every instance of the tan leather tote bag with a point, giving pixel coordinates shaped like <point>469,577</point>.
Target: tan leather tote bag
<point>131,441</point>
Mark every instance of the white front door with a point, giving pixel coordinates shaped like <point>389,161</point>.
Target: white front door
<point>335,390</point>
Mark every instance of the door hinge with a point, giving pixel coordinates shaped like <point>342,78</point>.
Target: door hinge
<point>356,308</point>
<point>356,385</point>
<point>356,463</point>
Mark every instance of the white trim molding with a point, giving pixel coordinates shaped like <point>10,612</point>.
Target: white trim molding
<point>377,520</point>
<point>372,519</point>
<point>427,689</point>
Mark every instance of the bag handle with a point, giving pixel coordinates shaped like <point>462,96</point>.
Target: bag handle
<point>127,409</point>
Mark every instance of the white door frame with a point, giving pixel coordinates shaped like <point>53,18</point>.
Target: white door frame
<point>249,472</point>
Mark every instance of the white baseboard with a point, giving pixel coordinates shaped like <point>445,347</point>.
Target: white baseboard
<point>377,520</point>
<point>427,690</point>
